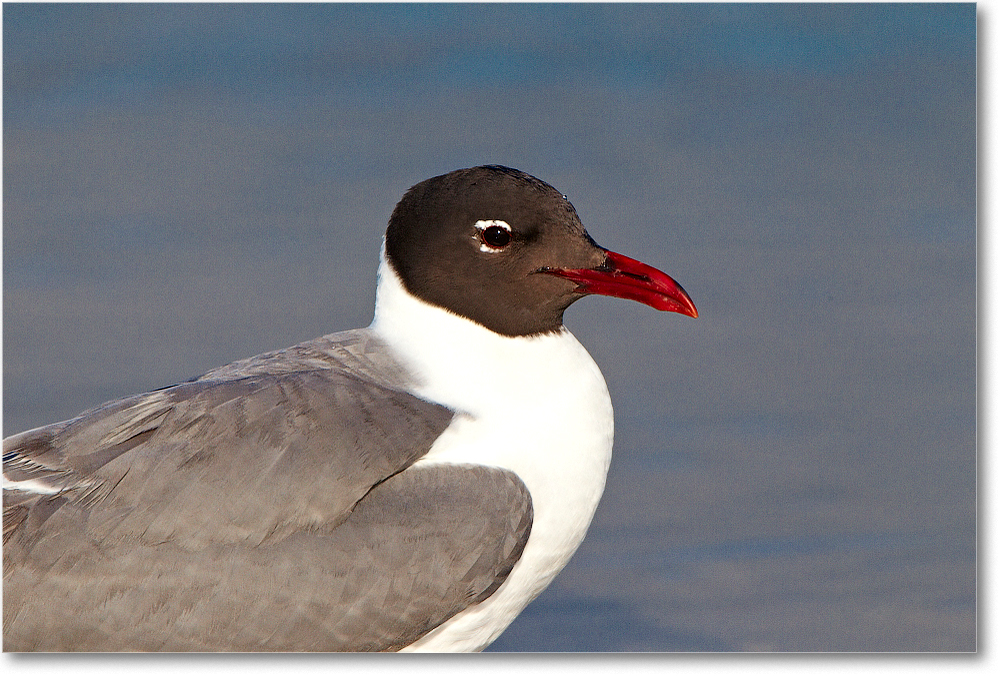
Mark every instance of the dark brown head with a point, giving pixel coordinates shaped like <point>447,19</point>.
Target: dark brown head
<point>508,251</point>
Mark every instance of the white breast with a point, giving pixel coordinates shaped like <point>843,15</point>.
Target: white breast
<point>537,406</point>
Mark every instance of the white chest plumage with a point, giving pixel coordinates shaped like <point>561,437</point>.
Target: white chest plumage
<point>536,406</point>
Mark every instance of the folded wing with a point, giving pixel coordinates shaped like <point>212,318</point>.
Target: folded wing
<point>265,506</point>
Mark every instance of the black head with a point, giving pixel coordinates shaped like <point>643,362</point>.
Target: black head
<point>502,248</point>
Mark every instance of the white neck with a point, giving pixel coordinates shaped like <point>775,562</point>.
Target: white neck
<point>537,406</point>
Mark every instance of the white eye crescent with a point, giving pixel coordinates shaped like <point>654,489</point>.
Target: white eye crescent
<point>494,235</point>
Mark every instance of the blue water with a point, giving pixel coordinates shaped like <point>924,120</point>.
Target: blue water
<point>185,185</point>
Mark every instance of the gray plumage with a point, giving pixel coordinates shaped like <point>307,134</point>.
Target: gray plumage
<point>325,538</point>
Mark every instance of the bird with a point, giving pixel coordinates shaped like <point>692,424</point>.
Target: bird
<point>407,486</point>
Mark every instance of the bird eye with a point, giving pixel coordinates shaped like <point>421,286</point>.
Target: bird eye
<point>495,237</point>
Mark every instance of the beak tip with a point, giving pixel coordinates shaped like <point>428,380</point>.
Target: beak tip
<point>682,306</point>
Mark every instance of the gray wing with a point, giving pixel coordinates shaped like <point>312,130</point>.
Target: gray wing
<point>288,451</point>
<point>418,549</point>
<point>220,514</point>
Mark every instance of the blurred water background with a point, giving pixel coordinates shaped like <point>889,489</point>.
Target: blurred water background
<point>186,185</point>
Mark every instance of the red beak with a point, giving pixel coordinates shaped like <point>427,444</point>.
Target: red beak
<point>623,277</point>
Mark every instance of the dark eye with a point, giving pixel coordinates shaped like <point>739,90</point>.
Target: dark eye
<point>496,237</point>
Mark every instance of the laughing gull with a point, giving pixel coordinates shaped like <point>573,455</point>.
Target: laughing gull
<point>412,485</point>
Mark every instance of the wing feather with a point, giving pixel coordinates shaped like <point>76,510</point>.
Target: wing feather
<point>264,506</point>
<point>418,549</point>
